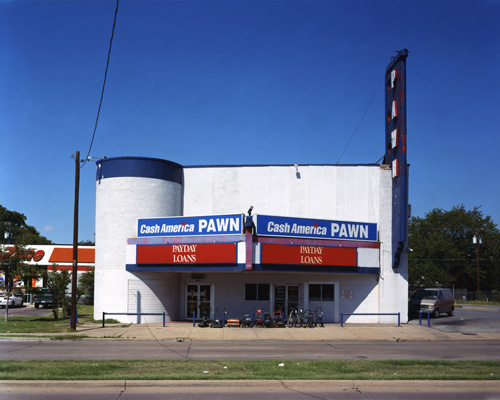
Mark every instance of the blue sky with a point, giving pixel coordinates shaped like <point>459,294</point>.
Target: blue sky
<point>244,82</point>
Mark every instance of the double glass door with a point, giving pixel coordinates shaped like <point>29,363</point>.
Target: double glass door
<point>198,300</point>
<point>286,298</point>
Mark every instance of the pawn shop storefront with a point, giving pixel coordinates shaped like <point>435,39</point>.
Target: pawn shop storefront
<point>237,264</point>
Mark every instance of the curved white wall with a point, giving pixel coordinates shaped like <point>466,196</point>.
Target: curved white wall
<point>120,202</point>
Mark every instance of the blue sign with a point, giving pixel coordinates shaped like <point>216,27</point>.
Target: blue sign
<point>315,228</point>
<point>191,226</point>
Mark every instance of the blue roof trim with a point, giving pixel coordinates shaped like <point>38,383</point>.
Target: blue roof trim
<point>141,167</point>
<point>185,267</point>
<point>145,167</point>
<point>241,267</point>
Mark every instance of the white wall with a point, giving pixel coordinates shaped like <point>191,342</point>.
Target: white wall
<point>351,193</point>
<point>120,202</point>
<point>327,192</point>
<point>393,288</point>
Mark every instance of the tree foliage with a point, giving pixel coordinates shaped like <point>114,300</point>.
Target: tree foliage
<point>86,286</point>
<point>22,233</point>
<point>16,270</point>
<point>444,253</point>
<point>57,283</point>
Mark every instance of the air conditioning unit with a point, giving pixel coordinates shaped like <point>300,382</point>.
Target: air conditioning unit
<point>198,277</point>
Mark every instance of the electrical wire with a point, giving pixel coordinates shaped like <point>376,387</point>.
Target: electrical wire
<point>103,85</point>
<point>361,120</point>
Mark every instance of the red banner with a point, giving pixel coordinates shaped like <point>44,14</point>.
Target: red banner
<point>220,253</point>
<point>308,255</point>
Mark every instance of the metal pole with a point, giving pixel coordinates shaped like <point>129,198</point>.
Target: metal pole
<point>75,242</point>
<point>477,255</point>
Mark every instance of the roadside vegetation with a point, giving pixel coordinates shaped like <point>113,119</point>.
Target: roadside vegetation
<point>451,248</point>
<point>478,303</point>
<point>241,370</point>
<point>18,325</point>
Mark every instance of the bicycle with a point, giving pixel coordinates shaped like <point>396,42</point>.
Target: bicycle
<point>292,318</point>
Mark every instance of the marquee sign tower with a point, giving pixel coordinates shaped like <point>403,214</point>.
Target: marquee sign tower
<point>395,150</point>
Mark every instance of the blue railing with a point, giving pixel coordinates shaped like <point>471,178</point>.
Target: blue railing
<point>119,313</point>
<point>342,316</point>
<point>428,318</point>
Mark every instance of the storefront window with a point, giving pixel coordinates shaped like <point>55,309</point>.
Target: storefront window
<point>326,292</point>
<point>314,292</point>
<point>254,291</point>
<point>318,292</point>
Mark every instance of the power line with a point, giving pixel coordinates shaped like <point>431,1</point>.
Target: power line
<point>361,120</point>
<point>103,84</point>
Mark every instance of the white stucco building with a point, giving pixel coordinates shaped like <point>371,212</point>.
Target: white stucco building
<point>346,199</point>
<point>178,239</point>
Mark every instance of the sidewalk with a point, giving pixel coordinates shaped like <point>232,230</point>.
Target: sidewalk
<point>355,332</point>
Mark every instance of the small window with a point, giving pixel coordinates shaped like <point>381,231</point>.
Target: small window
<point>254,291</point>
<point>314,292</point>
<point>319,292</point>
<point>327,292</point>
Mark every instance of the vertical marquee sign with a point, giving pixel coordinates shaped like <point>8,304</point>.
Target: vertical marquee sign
<point>395,153</point>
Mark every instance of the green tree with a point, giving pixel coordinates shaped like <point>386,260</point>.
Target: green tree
<point>86,286</point>
<point>14,223</point>
<point>57,283</point>
<point>17,236</point>
<point>444,253</point>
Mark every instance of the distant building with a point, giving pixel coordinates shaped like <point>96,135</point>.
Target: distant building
<point>49,257</point>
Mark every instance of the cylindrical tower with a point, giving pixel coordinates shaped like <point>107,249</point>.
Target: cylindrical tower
<point>128,188</point>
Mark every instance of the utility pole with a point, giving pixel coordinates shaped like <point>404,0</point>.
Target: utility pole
<point>75,243</point>
<point>477,241</point>
<point>7,269</point>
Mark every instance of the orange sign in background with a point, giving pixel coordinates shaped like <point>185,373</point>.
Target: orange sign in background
<point>219,253</point>
<point>308,255</point>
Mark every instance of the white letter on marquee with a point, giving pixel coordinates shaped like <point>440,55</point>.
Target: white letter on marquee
<point>395,165</point>
<point>394,75</point>
<point>394,138</point>
<point>394,113</point>
<point>202,224</point>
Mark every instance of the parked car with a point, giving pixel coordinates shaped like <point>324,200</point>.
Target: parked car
<point>15,300</point>
<point>44,298</point>
<point>433,301</point>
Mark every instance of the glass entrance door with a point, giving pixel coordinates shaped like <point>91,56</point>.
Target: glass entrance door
<point>286,298</point>
<point>198,300</point>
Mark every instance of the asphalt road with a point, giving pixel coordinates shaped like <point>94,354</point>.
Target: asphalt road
<point>468,319</point>
<point>251,390</point>
<point>108,349</point>
<point>26,311</point>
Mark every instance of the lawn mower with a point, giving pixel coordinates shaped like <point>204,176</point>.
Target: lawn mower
<point>246,321</point>
<point>268,321</point>
<point>278,320</point>
<point>217,323</point>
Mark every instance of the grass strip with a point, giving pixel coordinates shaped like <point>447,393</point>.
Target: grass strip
<point>17,325</point>
<point>238,370</point>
